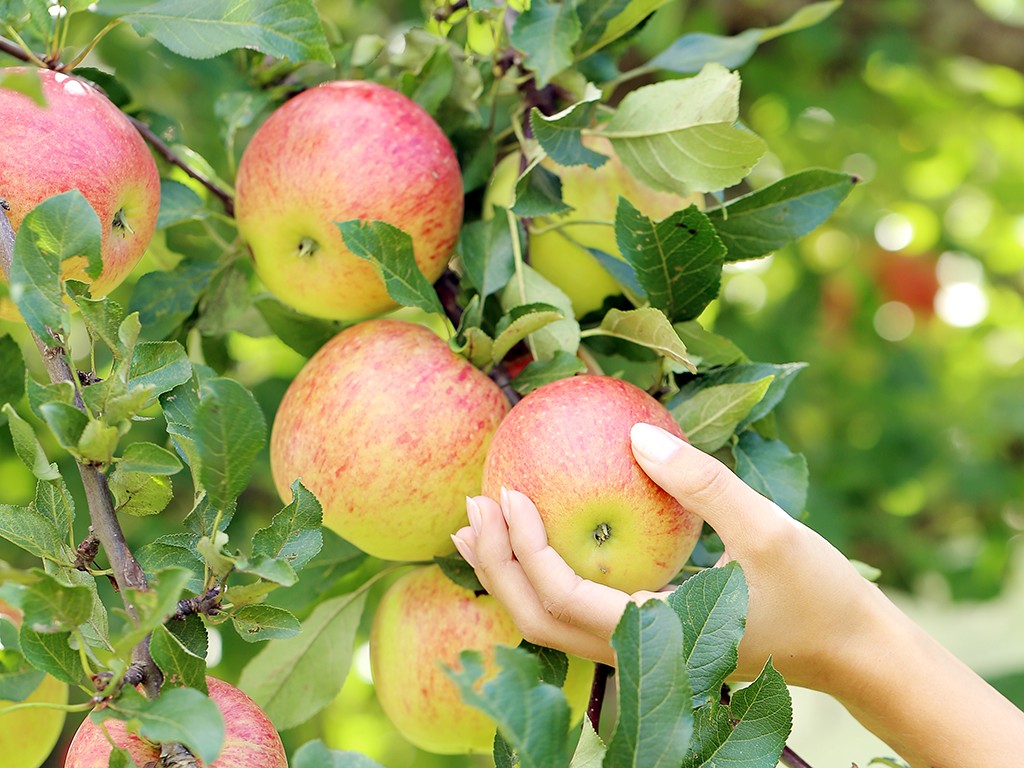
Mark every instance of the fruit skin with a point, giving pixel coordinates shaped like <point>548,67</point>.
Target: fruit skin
<point>345,150</point>
<point>28,736</point>
<point>566,446</point>
<point>594,195</point>
<point>250,739</point>
<point>80,140</point>
<point>389,429</point>
<point>424,621</point>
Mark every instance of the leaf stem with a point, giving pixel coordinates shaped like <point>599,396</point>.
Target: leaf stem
<point>89,47</point>
<point>20,50</point>
<point>83,707</point>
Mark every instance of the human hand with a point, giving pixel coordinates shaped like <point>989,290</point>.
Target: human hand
<point>806,604</point>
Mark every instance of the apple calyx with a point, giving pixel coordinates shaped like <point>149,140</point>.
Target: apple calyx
<point>308,247</point>
<point>602,533</point>
<point>120,223</point>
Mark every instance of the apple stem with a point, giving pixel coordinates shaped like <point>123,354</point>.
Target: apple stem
<point>791,759</point>
<point>597,689</point>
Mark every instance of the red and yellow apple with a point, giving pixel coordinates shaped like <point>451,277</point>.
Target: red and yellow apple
<point>566,446</point>
<point>425,621</point>
<point>560,253</point>
<point>389,429</point>
<point>80,140</point>
<point>250,739</point>
<point>28,736</point>
<point>342,151</point>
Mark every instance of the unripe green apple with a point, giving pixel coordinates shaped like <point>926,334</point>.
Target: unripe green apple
<point>561,254</point>
<point>250,739</point>
<point>425,621</point>
<point>389,429</point>
<point>566,446</point>
<point>28,736</point>
<point>79,140</point>
<point>345,150</point>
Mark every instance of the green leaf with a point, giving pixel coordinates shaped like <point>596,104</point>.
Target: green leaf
<point>139,493</point>
<point>519,323</point>
<point>12,370</point>
<point>181,667</point>
<point>182,715</point>
<point>622,23</point>
<point>460,572</point>
<point>178,203</point>
<point>709,349</point>
<point>211,549</point>
<point>590,750</point>
<point>540,372</point>
<point>164,300</point>
<point>680,135</point>
<point>654,696</point>
<point>711,416</point>
<point>275,569</point>
<point>54,501</point>
<point>546,33</point>
<point>302,333</point>
<point>561,134</point>
<point>35,533</point>
<point>485,249</point>
<point>66,422</point>
<point>176,550</point>
<point>712,606</point>
<point>155,604</point>
<point>27,446</point>
<point>594,17</point>
<point>180,407</point>
<point>539,193</point>
<point>554,664</point>
<point>50,606</point>
<point>52,653</point>
<point>230,431</point>
<point>533,288</point>
<point>162,365</point>
<point>769,467</point>
<point>532,716</point>
<point>58,392</point>
<point>295,534</point>
<point>59,228</point>
<point>26,81</point>
<point>17,682</point>
<point>315,754</point>
<point>192,635</point>
<point>749,732</point>
<point>202,29</point>
<point>390,251</point>
<point>294,679</point>
<point>647,327</point>
<point>478,347</point>
<point>763,221</point>
<point>746,372</point>
<point>103,317</point>
<point>264,622</point>
<point>147,457</point>
<point>97,443</point>
<point>678,260</point>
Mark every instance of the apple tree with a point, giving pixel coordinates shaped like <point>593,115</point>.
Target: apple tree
<point>255,428</point>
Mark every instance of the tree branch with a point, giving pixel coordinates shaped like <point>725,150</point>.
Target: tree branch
<point>597,689</point>
<point>13,49</point>
<point>106,527</point>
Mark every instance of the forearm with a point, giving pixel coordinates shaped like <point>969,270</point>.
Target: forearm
<point>921,700</point>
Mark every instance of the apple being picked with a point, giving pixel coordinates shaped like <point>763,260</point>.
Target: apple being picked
<point>250,739</point>
<point>80,140</point>
<point>566,446</point>
<point>27,736</point>
<point>345,150</point>
<point>425,621</point>
<point>389,429</point>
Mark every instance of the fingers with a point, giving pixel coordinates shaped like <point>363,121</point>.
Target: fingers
<point>490,552</point>
<point>706,487</point>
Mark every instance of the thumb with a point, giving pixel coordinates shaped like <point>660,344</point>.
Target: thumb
<point>702,484</point>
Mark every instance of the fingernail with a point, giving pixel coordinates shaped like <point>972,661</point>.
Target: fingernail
<point>653,443</point>
<point>505,503</point>
<point>473,513</point>
<point>464,550</point>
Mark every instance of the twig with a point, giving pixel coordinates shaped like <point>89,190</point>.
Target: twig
<point>791,759</point>
<point>13,49</point>
<point>601,674</point>
<point>128,574</point>
<point>169,155</point>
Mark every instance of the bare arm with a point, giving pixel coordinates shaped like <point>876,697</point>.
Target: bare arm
<point>824,625</point>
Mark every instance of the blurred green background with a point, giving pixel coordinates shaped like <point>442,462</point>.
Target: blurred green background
<point>908,304</point>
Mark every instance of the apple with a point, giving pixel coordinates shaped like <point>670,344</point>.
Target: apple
<point>80,140</point>
<point>341,151</point>
<point>560,254</point>
<point>28,736</point>
<point>250,739</point>
<point>566,446</point>
<point>424,621</point>
<point>389,429</point>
